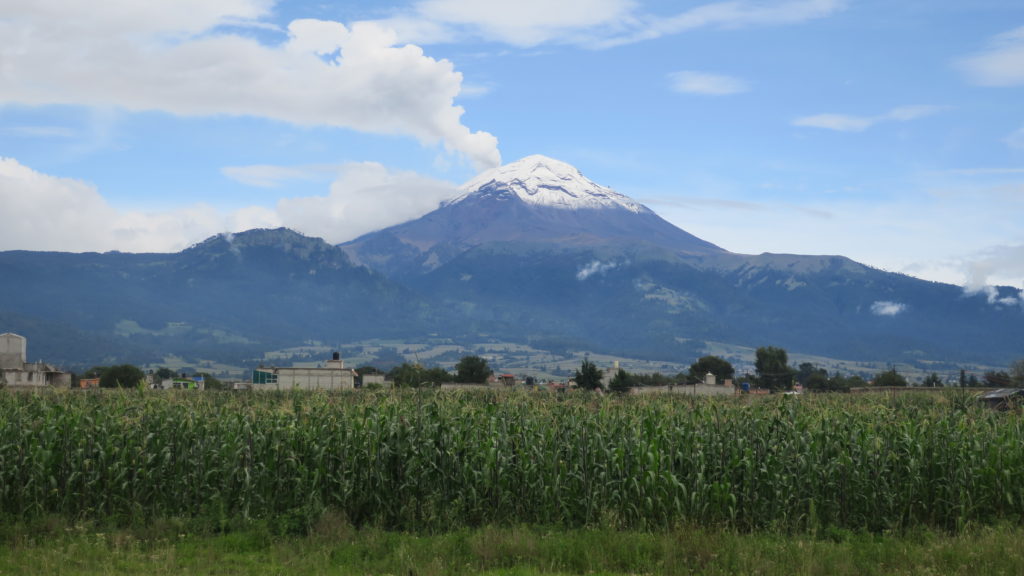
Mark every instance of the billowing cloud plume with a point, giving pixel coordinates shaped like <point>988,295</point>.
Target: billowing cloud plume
<point>1002,64</point>
<point>180,56</point>
<point>693,82</point>
<point>886,308</point>
<point>848,123</point>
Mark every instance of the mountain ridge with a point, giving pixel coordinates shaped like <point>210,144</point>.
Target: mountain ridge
<point>605,279</point>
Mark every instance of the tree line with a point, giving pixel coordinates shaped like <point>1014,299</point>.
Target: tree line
<point>772,371</point>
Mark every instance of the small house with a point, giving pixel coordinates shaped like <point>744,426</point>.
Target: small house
<point>1004,398</point>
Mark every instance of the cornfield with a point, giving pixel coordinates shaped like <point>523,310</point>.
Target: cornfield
<point>431,461</point>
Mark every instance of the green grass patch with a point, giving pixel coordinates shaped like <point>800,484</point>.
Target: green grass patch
<point>334,547</point>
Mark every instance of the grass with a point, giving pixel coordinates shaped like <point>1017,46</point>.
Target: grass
<point>337,548</point>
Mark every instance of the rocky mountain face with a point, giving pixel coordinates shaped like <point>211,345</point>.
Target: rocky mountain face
<point>532,252</point>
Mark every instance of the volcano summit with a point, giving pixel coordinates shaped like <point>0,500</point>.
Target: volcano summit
<point>532,201</point>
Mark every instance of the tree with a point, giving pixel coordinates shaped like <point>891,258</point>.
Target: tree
<point>409,375</point>
<point>655,379</point>
<point>164,373</point>
<point>854,382</point>
<point>122,376</point>
<point>211,382</point>
<point>436,375</point>
<point>94,372</point>
<point>816,380</point>
<point>366,369</point>
<point>472,370</point>
<point>622,382</point>
<point>1017,372</point>
<point>772,367</point>
<point>588,376</point>
<point>810,376</point>
<point>932,381</point>
<point>890,378</point>
<point>716,365</point>
<point>997,379</point>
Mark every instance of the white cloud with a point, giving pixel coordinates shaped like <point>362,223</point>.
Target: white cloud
<point>839,122</point>
<point>175,56</point>
<point>848,123</point>
<point>693,82</point>
<point>886,308</point>
<point>365,197</point>
<point>994,265</point>
<point>42,212</point>
<point>593,23</point>
<point>1002,64</point>
<point>594,267</point>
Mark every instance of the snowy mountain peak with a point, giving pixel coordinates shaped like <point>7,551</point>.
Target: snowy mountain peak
<point>544,181</point>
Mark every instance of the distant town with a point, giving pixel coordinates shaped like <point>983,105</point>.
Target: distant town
<point>708,376</point>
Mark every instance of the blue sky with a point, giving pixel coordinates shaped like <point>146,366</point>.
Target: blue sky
<point>889,132</point>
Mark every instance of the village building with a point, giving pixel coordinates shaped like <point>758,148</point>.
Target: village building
<point>332,376</point>
<point>15,370</point>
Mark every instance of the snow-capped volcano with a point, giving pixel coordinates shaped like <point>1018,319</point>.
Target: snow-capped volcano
<point>544,181</point>
<point>536,201</point>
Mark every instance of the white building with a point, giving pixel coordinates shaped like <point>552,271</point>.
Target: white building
<point>15,370</point>
<point>332,376</point>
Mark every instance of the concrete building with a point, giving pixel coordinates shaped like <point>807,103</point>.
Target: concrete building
<point>332,376</point>
<point>15,370</point>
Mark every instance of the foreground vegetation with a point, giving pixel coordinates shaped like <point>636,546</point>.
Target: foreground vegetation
<point>335,547</point>
<point>429,462</point>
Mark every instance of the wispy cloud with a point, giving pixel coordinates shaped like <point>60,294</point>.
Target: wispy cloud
<point>269,176</point>
<point>850,123</point>
<point>693,82</point>
<point>40,131</point>
<point>1001,64</point>
<point>986,171</point>
<point>595,23</point>
<point>594,267</point>
<point>886,308</point>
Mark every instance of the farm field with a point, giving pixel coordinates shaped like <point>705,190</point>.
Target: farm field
<point>218,468</point>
